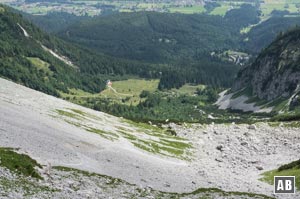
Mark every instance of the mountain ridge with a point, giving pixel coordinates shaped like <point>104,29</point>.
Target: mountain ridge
<point>273,79</point>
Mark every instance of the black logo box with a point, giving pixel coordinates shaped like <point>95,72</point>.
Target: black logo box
<point>284,184</point>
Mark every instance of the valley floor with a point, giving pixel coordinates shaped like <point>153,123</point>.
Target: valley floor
<point>230,157</point>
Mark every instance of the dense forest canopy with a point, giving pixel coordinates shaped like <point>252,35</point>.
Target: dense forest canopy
<point>161,37</point>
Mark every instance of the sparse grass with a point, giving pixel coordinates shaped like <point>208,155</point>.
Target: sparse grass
<point>224,193</point>
<point>69,114</point>
<point>278,104</point>
<point>29,187</point>
<point>291,169</point>
<point>294,124</point>
<point>164,143</point>
<point>199,193</point>
<point>105,134</point>
<point>146,137</point>
<point>20,164</point>
<point>246,92</point>
<point>187,89</point>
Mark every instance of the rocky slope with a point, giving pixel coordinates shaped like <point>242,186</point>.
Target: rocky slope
<point>274,76</point>
<point>276,72</point>
<point>58,133</point>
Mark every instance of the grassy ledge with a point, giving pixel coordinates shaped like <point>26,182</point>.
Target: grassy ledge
<point>291,169</point>
<point>19,163</point>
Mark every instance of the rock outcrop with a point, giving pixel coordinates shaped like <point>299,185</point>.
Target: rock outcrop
<point>276,71</point>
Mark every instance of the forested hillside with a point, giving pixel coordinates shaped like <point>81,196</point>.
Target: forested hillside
<point>30,56</point>
<point>264,33</point>
<point>160,37</point>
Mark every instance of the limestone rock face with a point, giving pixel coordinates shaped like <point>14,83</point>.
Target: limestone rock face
<point>276,71</point>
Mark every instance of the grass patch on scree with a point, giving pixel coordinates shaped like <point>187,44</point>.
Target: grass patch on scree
<point>20,164</point>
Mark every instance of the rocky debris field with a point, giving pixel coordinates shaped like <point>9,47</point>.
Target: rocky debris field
<point>233,157</point>
<point>69,183</point>
<point>225,156</point>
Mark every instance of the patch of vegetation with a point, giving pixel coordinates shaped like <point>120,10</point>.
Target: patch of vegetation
<point>70,114</point>
<point>292,165</point>
<point>146,137</point>
<point>286,117</point>
<point>160,141</point>
<point>2,9</point>
<point>244,92</point>
<point>228,194</point>
<point>291,169</point>
<point>105,134</point>
<point>41,65</point>
<point>20,164</point>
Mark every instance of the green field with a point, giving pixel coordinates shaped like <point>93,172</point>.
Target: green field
<point>221,10</point>
<point>186,89</point>
<point>188,10</point>
<point>126,91</point>
<point>270,5</point>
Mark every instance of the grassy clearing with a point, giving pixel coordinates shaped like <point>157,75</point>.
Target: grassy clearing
<point>187,89</point>
<point>19,163</point>
<point>221,10</point>
<point>127,92</point>
<point>291,169</point>
<point>269,5</point>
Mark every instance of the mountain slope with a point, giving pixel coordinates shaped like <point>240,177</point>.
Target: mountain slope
<point>262,35</point>
<point>58,133</point>
<point>276,72</point>
<point>274,77</point>
<point>48,64</point>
